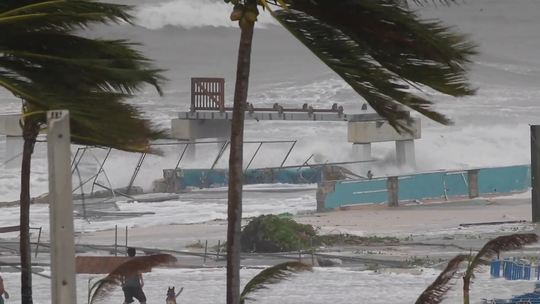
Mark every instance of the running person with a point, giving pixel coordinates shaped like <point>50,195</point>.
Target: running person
<point>133,285</point>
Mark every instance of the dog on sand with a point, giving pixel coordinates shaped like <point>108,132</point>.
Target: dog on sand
<point>172,295</point>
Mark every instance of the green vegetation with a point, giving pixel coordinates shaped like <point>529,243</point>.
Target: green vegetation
<point>272,233</point>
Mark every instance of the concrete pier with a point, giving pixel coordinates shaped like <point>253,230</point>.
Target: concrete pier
<point>362,152</point>
<point>363,133</point>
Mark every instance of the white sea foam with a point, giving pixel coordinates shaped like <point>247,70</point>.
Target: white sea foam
<point>191,14</point>
<point>320,286</point>
<point>172,212</point>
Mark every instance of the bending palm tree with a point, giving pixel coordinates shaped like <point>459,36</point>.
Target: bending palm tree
<point>491,249</point>
<point>379,47</point>
<point>46,64</point>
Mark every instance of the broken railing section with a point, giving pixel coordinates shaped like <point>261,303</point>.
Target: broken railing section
<point>174,177</point>
<point>10,229</point>
<point>423,187</point>
<point>207,94</point>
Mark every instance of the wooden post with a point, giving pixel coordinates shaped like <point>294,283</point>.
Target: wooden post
<point>312,249</point>
<point>392,186</point>
<point>299,252</point>
<point>63,281</point>
<point>115,240</point>
<point>126,239</point>
<point>218,248</point>
<point>205,250</point>
<point>38,240</point>
<point>472,178</point>
<point>535,172</point>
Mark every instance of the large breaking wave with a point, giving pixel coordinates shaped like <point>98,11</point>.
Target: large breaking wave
<point>191,14</point>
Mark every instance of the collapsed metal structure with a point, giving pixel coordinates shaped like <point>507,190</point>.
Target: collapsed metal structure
<point>180,178</point>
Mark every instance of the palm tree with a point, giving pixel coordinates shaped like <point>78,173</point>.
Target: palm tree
<point>491,249</point>
<point>45,63</point>
<point>380,48</point>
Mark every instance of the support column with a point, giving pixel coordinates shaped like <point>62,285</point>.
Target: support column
<point>405,153</point>
<point>362,152</point>
<point>535,172</point>
<point>14,149</point>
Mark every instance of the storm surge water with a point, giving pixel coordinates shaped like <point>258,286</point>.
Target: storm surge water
<point>196,39</point>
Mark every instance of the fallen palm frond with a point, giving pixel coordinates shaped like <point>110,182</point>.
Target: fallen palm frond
<point>492,249</point>
<point>436,292</point>
<point>272,275</point>
<point>102,288</point>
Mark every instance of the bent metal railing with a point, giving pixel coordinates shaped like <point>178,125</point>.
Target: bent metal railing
<point>88,152</point>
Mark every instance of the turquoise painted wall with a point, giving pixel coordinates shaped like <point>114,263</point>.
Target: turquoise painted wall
<point>504,179</point>
<point>434,185</point>
<point>430,185</point>
<point>356,192</point>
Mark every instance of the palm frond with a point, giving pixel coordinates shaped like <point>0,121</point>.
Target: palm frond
<point>272,275</point>
<point>143,263</point>
<point>92,122</point>
<point>52,68</point>
<point>53,58</point>
<point>379,50</point>
<point>105,286</point>
<point>44,52</point>
<point>500,244</point>
<point>62,14</point>
<point>436,292</point>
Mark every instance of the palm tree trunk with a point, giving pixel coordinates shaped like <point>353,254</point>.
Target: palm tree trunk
<point>466,288</point>
<point>236,166</point>
<point>29,136</point>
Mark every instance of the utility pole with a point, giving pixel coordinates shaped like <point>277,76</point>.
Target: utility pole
<point>63,285</point>
<point>535,172</point>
